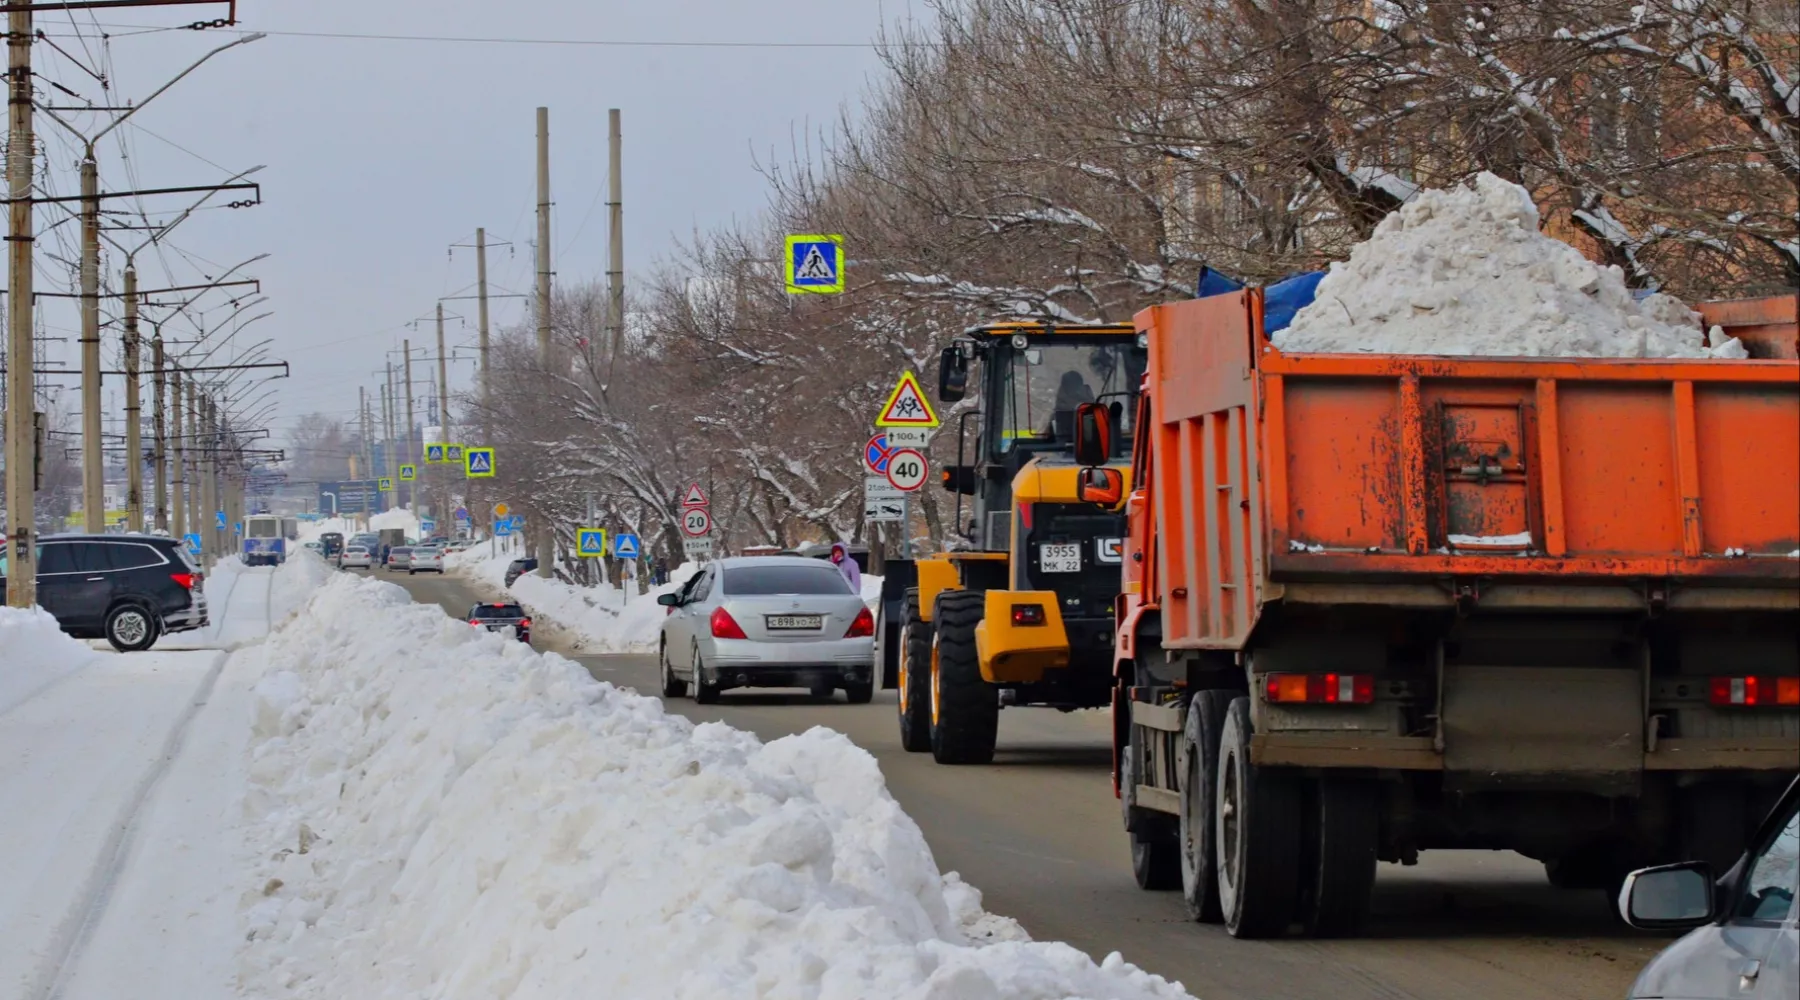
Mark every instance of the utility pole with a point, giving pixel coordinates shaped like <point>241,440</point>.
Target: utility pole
<point>368,447</point>
<point>93,466</point>
<point>160,430</point>
<point>387,434</point>
<point>21,388</point>
<point>195,524</point>
<point>209,475</point>
<point>178,519</point>
<point>544,533</point>
<point>615,250</point>
<point>443,397</point>
<point>134,443</point>
<point>481,316</point>
<point>406,450</point>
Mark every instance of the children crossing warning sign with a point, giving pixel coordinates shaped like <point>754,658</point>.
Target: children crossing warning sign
<point>907,406</point>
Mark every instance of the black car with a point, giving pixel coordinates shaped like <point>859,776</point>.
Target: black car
<point>497,615</point>
<point>126,589</point>
<point>331,543</point>
<point>518,568</point>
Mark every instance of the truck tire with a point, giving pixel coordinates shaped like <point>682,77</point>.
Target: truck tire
<point>1257,816</point>
<point>1198,828</point>
<point>914,681</point>
<point>1341,857</point>
<point>965,710</point>
<point>1155,850</point>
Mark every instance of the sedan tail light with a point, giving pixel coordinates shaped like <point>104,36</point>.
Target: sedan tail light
<point>1752,691</point>
<point>863,626</point>
<point>1320,689</point>
<point>187,580</point>
<point>726,627</point>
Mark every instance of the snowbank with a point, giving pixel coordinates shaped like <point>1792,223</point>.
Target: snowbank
<point>1465,271</point>
<point>396,517</point>
<point>436,811</point>
<point>245,602</point>
<point>35,653</point>
<point>599,619</point>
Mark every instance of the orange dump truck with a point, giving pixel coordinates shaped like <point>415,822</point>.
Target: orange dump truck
<point>1378,604</point>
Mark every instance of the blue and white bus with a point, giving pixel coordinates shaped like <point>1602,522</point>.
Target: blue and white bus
<point>266,538</point>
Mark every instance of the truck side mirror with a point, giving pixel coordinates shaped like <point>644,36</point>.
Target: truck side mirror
<point>953,374</point>
<point>959,479</point>
<point>1100,486</point>
<point>1093,434</point>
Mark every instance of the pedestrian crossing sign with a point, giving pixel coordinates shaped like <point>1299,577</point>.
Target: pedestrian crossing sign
<point>815,264</point>
<point>408,473</point>
<point>590,543</point>
<point>907,405</point>
<point>434,454</point>
<point>453,454</point>
<point>385,484</point>
<point>478,463</point>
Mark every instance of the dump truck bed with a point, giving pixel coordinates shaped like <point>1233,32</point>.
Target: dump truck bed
<point>1411,479</point>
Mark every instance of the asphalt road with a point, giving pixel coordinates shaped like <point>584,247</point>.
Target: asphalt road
<point>1038,832</point>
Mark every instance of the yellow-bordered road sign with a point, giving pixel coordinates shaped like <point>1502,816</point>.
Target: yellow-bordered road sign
<point>408,473</point>
<point>907,405</point>
<point>385,484</point>
<point>478,463</point>
<point>814,264</point>
<point>590,543</point>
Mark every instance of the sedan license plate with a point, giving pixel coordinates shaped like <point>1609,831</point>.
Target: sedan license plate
<point>1059,558</point>
<point>794,622</point>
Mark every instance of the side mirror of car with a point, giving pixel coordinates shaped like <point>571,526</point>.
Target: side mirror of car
<point>959,479</point>
<point>1093,434</point>
<point>1100,486</point>
<point>1668,897</point>
<point>953,374</point>
<point>669,600</point>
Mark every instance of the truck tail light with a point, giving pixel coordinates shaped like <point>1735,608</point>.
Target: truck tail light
<point>186,580</point>
<point>726,627</point>
<point>863,626</point>
<point>1028,614</point>
<point>1320,689</point>
<point>1754,691</point>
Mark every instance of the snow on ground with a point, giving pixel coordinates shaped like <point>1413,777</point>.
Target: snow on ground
<point>1464,270</point>
<point>245,602</point>
<point>438,811</point>
<point>34,653</point>
<point>119,855</point>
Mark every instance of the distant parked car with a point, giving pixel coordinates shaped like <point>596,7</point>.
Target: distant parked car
<point>333,542</point>
<point>356,557</point>
<point>518,568</point>
<point>426,558</point>
<point>314,547</point>
<point>767,621</point>
<point>126,589</point>
<point>399,557</point>
<point>498,615</point>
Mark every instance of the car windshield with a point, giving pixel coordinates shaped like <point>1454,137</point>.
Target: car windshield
<point>749,581</point>
<point>1041,386</point>
<point>356,551</point>
<point>497,611</point>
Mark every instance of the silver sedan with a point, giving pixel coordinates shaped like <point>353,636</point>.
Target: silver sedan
<point>767,621</point>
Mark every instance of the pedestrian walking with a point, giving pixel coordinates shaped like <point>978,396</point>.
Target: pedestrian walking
<point>846,565</point>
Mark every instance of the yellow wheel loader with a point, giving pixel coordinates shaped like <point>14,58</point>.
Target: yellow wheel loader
<point>1019,611</point>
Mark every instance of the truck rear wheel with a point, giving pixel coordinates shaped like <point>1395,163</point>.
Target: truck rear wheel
<point>1155,849</point>
<point>1342,856</point>
<point>1199,830</point>
<point>914,681</point>
<point>965,710</point>
<point>1257,815</point>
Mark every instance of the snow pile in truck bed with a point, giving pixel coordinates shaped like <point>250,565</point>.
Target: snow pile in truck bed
<point>1465,271</point>
<point>438,811</point>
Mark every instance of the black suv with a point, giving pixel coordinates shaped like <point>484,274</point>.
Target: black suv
<point>496,615</point>
<point>518,568</point>
<point>126,589</point>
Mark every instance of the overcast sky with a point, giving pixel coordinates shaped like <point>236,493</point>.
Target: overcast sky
<point>381,154</point>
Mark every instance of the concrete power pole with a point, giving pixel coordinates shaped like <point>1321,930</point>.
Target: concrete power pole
<point>178,519</point>
<point>443,396</point>
<point>194,524</point>
<point>160,431</point>
<point>615,251</point>
<point>93,465</point>
<point>387,435</point>
<point>209,476</point>
<point>21,388</point>
<point>481,315</point>
<point>134,443</point>
<point>545,536</point>
<point>406,450</point>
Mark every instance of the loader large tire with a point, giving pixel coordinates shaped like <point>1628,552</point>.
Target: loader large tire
<point>1257,813</point>
<point>1341,855</point>
<point>965,710</point>
<point>914,681</point>
<point>1199,829</point>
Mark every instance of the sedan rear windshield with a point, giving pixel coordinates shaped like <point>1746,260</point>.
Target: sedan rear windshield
<point>749,581</point>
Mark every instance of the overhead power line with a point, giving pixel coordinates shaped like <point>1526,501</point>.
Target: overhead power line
<point>616,43</point>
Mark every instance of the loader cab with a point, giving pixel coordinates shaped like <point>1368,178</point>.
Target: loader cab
<point>1032,377</point>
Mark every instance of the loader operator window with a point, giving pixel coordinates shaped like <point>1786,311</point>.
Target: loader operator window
<point>1042,384</point>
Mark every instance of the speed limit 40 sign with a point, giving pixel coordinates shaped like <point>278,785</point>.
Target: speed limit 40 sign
<point>695,521</point>
<point>907,469</point>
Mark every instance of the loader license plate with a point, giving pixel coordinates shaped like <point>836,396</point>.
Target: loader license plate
<point>794,622</point>
<point>1059,558</point>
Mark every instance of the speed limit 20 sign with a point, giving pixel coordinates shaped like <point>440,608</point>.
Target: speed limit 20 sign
<point>695,521</point>
<point>907,469</point>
